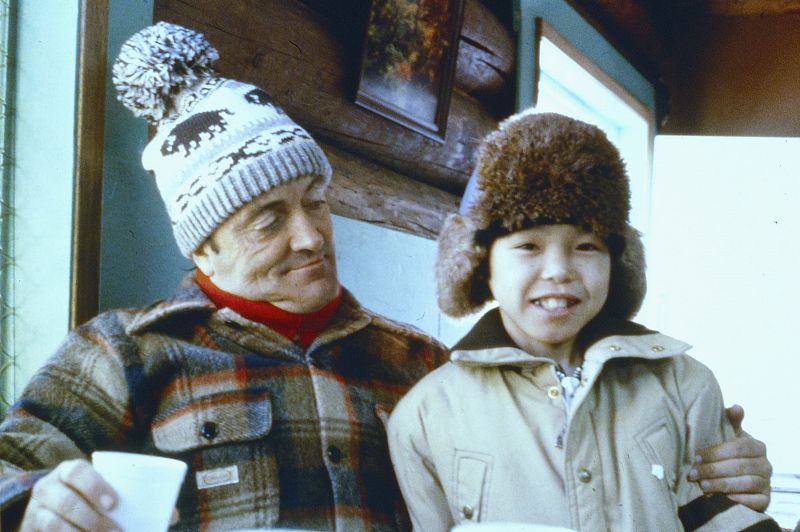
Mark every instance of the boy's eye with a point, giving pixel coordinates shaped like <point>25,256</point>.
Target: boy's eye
<point>588,246</point>
<point>527,246</point>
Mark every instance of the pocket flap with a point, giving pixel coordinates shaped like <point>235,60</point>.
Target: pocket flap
<point>472,477</point>
<point>215,419</point>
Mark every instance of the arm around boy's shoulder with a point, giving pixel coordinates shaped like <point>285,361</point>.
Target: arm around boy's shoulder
<point>708,425</point>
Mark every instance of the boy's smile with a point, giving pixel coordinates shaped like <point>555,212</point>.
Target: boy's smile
<point>549,281</point>
<point>556,303</point>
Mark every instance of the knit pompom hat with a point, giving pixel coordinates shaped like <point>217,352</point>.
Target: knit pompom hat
<point>540,168</point>
<point>219,143</point>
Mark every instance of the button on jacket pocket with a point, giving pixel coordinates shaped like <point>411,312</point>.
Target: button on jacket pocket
<point>226,436</point>
<point>215,419</point>
<point>472,476</point>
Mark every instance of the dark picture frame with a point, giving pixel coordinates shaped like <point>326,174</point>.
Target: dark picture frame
<point>408,62</point>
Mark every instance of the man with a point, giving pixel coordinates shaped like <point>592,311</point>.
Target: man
<point>262,373</point>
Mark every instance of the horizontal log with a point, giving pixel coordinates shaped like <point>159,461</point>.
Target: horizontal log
<point>372,193</point>
<point>486,49</point>
<point>485,52</point>
<point>291,51</point>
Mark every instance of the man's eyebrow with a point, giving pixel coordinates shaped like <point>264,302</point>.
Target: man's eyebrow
<point>317,183</point>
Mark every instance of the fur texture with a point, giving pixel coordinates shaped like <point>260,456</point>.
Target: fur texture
<point>540,169</point>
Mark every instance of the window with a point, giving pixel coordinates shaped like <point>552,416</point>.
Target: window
<point>38,208</point>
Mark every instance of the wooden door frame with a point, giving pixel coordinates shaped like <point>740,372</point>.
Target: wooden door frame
<point>88,171</point>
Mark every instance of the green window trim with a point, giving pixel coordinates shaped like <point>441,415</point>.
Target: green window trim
<point>565,20</point>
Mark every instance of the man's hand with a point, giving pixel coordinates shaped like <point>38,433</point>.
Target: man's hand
<point>72,497</point>
<point>738,468</point>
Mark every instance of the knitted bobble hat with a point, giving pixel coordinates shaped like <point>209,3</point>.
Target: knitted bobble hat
<point>540,168</point>
<point>219,143</point>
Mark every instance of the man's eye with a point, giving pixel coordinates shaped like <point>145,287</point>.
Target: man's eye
<point>266,224</point>
<point>527,246</point>
<point>588,246</point>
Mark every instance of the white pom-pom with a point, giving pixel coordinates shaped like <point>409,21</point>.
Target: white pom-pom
<point>156,63</point>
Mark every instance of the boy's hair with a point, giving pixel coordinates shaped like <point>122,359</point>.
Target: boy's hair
<point>539,169</point>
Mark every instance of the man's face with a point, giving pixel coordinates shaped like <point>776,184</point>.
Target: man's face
<point>549,282</point>
<point>278,248</point>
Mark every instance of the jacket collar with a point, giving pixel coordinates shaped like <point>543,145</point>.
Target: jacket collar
<point>188,299</point>
<point>488,344</point>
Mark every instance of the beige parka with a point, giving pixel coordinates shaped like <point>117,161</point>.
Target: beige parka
<point>488,437</point>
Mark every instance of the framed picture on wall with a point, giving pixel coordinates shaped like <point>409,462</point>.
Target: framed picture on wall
<point>409,61</point>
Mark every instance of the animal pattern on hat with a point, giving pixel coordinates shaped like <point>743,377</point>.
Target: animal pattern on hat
<point>200,127</point>
<point>261,97</point>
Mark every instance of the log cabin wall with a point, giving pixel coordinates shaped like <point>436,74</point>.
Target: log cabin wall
<point>391,188</point>
<point>307,54</point>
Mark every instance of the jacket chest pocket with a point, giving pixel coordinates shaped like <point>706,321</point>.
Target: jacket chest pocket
<point>471,485</point>
<point>232,465</point>
<point>658,443</point>
<point>662,461</point>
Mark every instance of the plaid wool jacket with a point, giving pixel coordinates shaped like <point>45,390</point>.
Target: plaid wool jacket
<point>274,436</point>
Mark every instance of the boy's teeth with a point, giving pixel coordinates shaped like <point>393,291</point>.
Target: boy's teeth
<point>552,303</point>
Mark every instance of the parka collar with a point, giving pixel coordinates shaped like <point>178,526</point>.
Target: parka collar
<point>488,344</point>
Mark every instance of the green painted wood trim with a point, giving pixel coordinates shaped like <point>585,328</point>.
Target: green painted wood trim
<point>584,37</point>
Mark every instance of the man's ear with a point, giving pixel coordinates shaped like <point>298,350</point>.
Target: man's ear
<point>203,258</point>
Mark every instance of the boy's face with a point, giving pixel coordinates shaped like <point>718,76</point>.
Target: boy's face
<point>549,281</point>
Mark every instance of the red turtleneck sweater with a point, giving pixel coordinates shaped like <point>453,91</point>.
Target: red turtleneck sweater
<point>302,329</point>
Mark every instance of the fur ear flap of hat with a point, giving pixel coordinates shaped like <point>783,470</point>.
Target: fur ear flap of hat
<point>540,168</point>
<point>628,279</point>
<point>458,262</point>
<point>219,143</point>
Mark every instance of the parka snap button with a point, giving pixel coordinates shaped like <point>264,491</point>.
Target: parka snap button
<point>584,475</point>
<point>467,511</point>
<point>657,348</point>
<point>209,430</point>
<point>334,454</point>
<point>614,348</point>
<point>553,391</point>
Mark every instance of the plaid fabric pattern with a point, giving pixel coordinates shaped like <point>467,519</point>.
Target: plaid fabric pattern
<point>302,430</point>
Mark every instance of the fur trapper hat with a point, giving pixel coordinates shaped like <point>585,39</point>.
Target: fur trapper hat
<point>540,168</point>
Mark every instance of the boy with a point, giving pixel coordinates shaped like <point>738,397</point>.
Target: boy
<point>555,409</point>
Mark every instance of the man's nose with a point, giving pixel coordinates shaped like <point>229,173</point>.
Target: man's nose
<point>305,234</point>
